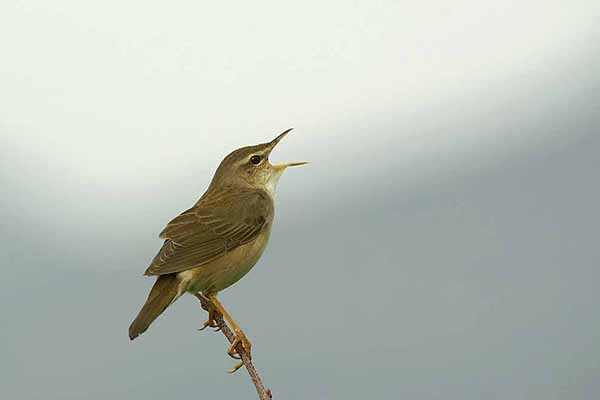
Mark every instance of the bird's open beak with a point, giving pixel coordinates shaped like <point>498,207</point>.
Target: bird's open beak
<point>280,167</point>
<point>273,143</point>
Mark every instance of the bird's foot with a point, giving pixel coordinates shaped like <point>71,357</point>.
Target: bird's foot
<point>240,337</point>
<point>211,321</point>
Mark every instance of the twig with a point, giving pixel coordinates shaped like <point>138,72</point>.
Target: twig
<point>263,393</point>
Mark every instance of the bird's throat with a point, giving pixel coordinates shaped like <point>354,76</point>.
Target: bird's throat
<point>271,182</point>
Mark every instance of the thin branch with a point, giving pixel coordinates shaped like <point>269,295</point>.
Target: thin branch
<point>263,393</point>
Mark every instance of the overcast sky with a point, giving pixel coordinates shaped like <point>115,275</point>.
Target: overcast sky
<point>442,242</point>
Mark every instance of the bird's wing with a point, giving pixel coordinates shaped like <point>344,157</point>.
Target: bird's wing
<point>214,226</point>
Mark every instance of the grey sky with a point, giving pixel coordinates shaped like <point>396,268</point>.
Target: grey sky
<point>450,206</point>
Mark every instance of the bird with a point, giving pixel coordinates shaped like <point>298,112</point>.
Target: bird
<point>216,242</point>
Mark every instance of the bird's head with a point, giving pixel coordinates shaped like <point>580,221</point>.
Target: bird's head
<point>250,166</point>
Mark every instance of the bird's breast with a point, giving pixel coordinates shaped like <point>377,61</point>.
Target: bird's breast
<point>228,269</point>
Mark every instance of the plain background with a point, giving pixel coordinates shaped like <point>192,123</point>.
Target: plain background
<point>442,244</point>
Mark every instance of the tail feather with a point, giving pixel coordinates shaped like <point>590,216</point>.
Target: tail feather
<point>163,293</point>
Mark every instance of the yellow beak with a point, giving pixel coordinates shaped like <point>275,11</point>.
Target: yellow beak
<point>281,167</point>
<point>273,143</point>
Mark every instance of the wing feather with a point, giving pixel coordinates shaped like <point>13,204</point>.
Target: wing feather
<point>217,224</point>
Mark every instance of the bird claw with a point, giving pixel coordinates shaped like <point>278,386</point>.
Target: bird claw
<point>214,307</point>
<point>240,338</point>
<point>210,322</point>
<point>236,367</point>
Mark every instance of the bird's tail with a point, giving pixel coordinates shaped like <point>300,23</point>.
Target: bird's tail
<point>163,293</point>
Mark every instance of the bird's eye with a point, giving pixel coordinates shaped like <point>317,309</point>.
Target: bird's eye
<point>255,160</point>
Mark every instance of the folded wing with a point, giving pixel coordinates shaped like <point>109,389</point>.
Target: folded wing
<point>216,225</point>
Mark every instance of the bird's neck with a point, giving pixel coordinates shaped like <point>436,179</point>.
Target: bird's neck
<point>271,183</point>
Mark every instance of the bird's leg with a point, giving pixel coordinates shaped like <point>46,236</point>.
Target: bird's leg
<point>211,322</point>
<point>240,337</point>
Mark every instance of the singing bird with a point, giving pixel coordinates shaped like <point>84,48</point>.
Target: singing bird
<point>215,243</point>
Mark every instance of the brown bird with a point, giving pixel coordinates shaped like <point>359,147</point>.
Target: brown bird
<point>216,242</point>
